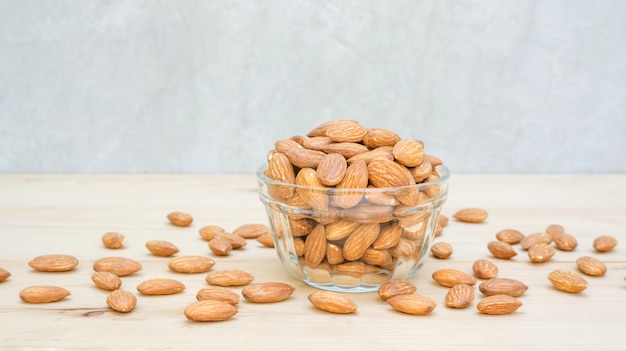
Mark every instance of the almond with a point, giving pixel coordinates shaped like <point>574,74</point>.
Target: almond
<point>386,174</point>
<point>220,246</point>
<point>347,150</point>
<point>355,177</point>
<point>564,241</point>
<point>412,304</point>
<point>554,229</point>
<point>345,131</point>
<point>540,252</point>
<point>340,230</point>
<point>236,241</point>
<point>368,213</point>
<point>360,240</point>
<point>471,215</point>
<point>317,143</point>
<point>216,293</point>
<point>531,240</point>
<point>266,240</point>
<point>368,156</point>
<point>119,266</point>
<point>4,274</point>
<point>356,268</point>
<point>422,171</point>
<point>305,158</point>
<point>604,243</point>
<point>380,197</point>
<point>180,219</point>
<point>332,302</point>
<point>442,220</point>
<point>251,230</point>
<point>502,286</point>
<point>209,311</point>
<point>334,254</point>
<point>332,169</point>
<point>161,248</point>
<point>279,168</point>
<point>441,250</point>
<point>388,237</point>
<point>396,287</point>
<point>283,145</point>
<point>113,240</point>
<point>160,286</point>
<point>376,137</point>
<point>452,277</point>
<point>106,280</point>
<point>315,246</point>
<point>409,152</point>
<point>43,294</point>
<point>500,249</point>
<point>567,281</point>
<point>498,304</point>
<point>510,236</point>
<point>190,264</point>
<point>460,296</point>
<point>298,245</point>
<point>312,190</point>
<point>208,232</point>
<point>434,161</point>
<point>381,258</point>
<point>591,266</point>
<point>484,269</point>
<point>121,301</point>
<point>229,277</point>
<point>267,292</point>
<point>53,263</point>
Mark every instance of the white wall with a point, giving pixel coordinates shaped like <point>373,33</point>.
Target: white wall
<point>208,86</point>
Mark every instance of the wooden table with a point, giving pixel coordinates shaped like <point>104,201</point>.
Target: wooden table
<point>43,214</point>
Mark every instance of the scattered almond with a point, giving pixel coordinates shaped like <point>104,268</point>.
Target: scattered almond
<point>412,304</point>
<point>471,215</point>
<point>531,240</point>
<point>332,302</point>
<point>210,311</point>
<point>161,248</point>
<point>567,281</point>
<point>498,304</point>
<point>502,286</point>
<point>266,240</point>
<point>564,241</point>
<point>218,294</point>
<point>510,236</point>
<point>460,296</point>
<point>106,280</point>
<point>43,294</point>
<point>180,219</point>
<point>113,240</point>
<point>4,274</point>
<point>119,266</point>
<point>235,240</point>
<point>540,252</point>
<point>500,249</point>
<point>121,301</point>
<point>452,277</point>
<point>229,277</point>
<point>220,246</point>
<point>591,266</point>
<point>396,287</point>
<point>190,264</point>
<point>208,232</point>
<point>443,220</point>
<point>604,243</point>
<point>160,286</point>
<point>53,263</point>
<point>484,269</point>
<point>252,230</point>
<point>441,250</point>
<point>267,292</point>
<point>554,229</point>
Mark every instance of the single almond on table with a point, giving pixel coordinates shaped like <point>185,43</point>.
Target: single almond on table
<point>161,248</point>
<point>106,280</point>
<point>252,230</point>
<point>54,263</point>
<point>218,294</point>
<point>460,296</point>
<point>500,249</point>
<point>567,281</point>
<point>564,241</point>
<point>510,236</point>
<point>591,266</point>
<point>471,215</point>
<point>208,232</point>
<point>396,287</point>
<point>443,220</point>
<point>502,286</point>
<point>180,219</point>
<point>531,240</point>
<point>441,250</point>
<point>554,229</point>
<point>119,266</point>
<point>452,277</point>
<point>210,311</point>
<point>332,302</point>
<point>229,277</point>
<point>604,243</point>
<point>43,294</point>
<point>267,292</point>
<point>160,286</point>
<point>220,246</point>
<point>4,274</point>
<point>235,240</point>
<point>190,264</point>
<point>113,240</point>
<point>540,252</point>
<point>266,240</point>
<point>121,301</point>
<point>498,304</point>
<point>412,304</point>
<point>484,269</point>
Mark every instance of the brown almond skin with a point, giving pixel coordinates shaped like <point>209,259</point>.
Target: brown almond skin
<point>510,236</point>
<point>441,250</point>
<point>502,286</point>
<point>269,292</point>
<point>604,243</point>
<point>266,240</point>
<point>498,304</point>
<point>471,215</point>
<point>106,280</point>
<point>121,301</point>
<point>190,264</point>
<point>210,311</point>
<point>531,240</point>
<point>208,232</point>
<point>180,219</point>
<point>565,241</point>
<point>452,277</point>
<point>484,269</point>
<point>54,263</point>
<point>229,277</point>
<point>541,252</point>
<point>567,281</point>
<point>500,249</point>
<point>591,266</point>
<point>160,286</point>
<point>356,244</point>
<point>220,246</point>
<point>332,169</point>
<point>460,296</point>
<point>161,248</point>
<point>119,266</point>
<point>113,240</point>
<point>43,294</point>
<point>218,294</point>
<point>412,304</point>
<point>332,302</point>
<point>251,230</point>
<point>396,287</point>
<point>4,274</point>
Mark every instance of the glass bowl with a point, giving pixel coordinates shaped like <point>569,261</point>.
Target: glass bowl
<point>354,249</point>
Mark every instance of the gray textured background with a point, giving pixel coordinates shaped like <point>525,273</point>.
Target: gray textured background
<point>208,86</point>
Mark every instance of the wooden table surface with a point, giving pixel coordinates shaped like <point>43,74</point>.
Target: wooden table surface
<point>67,214</point>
